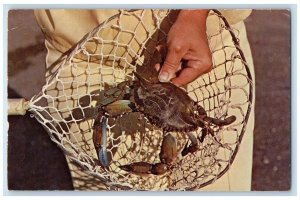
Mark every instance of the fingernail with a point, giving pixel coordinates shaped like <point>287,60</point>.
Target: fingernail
<point>163,77</point>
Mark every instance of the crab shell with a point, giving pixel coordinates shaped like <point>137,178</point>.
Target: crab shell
<point>166,105</point>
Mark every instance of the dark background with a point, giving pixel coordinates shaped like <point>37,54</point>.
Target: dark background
<point>35,163</point>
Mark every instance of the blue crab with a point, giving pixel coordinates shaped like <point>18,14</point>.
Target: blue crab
<point>166,106</point>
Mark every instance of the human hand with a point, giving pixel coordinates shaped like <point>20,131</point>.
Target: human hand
<point>188,55</point>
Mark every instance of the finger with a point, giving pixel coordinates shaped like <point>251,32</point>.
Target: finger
<point>170,66</point>
<point>190,73</point>
<point>158,67</point>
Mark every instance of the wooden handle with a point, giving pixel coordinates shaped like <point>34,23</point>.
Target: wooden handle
<point>17,106</point>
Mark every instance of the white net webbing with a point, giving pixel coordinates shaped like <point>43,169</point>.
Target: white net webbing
<point>69,102</point>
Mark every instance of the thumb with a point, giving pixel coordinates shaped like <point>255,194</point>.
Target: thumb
<point>170,67</point>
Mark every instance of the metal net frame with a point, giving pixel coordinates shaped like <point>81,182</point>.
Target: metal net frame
<point>68,103</point>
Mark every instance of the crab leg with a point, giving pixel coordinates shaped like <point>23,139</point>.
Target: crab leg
<point>208,130</point>
<point>168,156</point>
<point>219,122</point>
<point>193,146</point>
<point>113,94</point>
<point>118,108</point>
<point>204,134</point>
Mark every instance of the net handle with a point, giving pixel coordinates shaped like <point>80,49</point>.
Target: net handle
<point>17,106</point>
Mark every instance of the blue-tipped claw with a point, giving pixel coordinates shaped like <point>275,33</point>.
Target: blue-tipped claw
<point>102,151</point>
<point>102,154</point>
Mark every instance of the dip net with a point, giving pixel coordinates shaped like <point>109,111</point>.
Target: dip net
<point>75,89</point>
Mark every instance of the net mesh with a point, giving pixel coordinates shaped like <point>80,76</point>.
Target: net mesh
<point>125,42</point>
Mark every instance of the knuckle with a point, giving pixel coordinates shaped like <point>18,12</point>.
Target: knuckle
<point>204,66</point>
<point>208,61</point>
<point>208,66</point>
<point>176,47</point>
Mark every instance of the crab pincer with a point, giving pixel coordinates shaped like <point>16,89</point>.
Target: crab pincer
<point>100,139</point>
<point>221,122</point>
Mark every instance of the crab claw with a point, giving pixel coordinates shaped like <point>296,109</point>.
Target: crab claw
<point>102,155</point>
<point>204,134</point>
<point>229,120</point>
<point>145,168</point>
<point>100,140</point>
<point>221,122</point>
<point>138,167</point>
